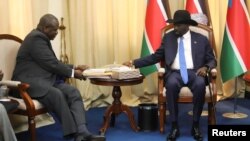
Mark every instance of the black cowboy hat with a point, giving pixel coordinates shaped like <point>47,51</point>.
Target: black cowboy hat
<point>182,17</point>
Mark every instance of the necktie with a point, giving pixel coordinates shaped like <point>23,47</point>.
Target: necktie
<point>182,61</point>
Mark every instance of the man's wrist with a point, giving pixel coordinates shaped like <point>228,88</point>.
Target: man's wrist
<point>208,68</point>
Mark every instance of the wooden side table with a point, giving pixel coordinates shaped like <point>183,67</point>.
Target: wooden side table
<point>117,107</point>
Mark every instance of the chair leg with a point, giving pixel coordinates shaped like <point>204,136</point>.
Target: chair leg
<point>162,117</point>
<point>211,114</point>
<point>32,128</point>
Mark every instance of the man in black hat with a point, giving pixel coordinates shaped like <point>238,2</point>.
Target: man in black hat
<point>199,58</point>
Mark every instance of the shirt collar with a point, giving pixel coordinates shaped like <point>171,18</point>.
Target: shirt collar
<point>187,35</point>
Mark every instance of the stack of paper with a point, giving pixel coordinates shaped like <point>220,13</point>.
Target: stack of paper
<point>115,71</point>
<point>125,74</point>
<point>97,73</point>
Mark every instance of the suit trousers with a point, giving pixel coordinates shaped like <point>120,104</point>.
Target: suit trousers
<point>173,85</point>
<point>6,130</point>
<point>66,102</point>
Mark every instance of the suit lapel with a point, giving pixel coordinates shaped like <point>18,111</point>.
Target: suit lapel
<point>171,50</point>
<point>50,47</point>
<point>194,46</point>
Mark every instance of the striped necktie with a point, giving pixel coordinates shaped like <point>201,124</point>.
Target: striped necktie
<point>182,61</point>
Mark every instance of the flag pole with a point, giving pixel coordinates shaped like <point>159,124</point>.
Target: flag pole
<point>235,114</point>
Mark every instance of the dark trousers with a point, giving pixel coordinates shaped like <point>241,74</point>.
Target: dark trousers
<point>197,85</point>
<point>66,102</point>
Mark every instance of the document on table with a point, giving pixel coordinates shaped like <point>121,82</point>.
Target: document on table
<point>97,73</point>
<point>112,71</point>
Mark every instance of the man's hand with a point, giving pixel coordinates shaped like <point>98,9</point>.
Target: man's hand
<point>78,74</point>
<point>1,75</point>
<point>81,67</point>
<point>128,63</point>
<point>202,71</point>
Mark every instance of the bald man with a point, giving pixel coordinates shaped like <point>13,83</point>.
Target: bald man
<point>37,65</point>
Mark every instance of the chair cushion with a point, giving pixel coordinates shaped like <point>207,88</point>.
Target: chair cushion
<point>9,106</point>
<point>22,105</point>
<point>185,91</point>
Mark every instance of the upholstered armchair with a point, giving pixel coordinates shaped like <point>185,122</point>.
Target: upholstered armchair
<point>28,107</point>
<point>185,95</point>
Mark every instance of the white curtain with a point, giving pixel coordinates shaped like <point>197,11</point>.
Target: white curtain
<point>101,32</point>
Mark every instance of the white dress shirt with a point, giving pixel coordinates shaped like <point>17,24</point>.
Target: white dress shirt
<point>187,52</point>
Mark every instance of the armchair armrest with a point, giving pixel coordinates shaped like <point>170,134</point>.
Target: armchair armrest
<point>22,88</point>
<point>212,75</point>
<point>161,97</point>
<point>10,83</point>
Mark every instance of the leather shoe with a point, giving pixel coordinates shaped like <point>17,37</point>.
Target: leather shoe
<point>196,134</point>
<point>94,138</point>
<point>174,133</point>
<point>90,138</point>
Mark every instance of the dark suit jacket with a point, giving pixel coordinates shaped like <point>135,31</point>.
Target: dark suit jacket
<point>202,52</point>
<point>37,65</point>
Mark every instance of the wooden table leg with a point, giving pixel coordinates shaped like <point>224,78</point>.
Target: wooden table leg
<point>115,109</point>
<point>130,115</point>
<point>106,119</point>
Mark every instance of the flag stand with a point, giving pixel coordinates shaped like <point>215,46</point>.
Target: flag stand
<point>235,114</point>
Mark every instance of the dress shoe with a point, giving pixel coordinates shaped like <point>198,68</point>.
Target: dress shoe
<point>174,133</point>
<point>95,138</point>
<point>196,134</point>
